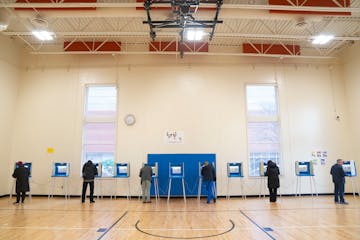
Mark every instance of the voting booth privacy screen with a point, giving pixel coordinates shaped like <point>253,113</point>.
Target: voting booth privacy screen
<point>234,169</point>
<point>122,170</point>
<point>27,165</point>
<point>60,169</point>
<point>263,168</point>
<point>178,166</point>
<point>349,168</point>
<point>304,168</point>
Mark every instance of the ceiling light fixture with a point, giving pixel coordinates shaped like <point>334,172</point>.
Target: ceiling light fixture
<point>322,39</point>
<point>194,35</point>
<point>43,35</point>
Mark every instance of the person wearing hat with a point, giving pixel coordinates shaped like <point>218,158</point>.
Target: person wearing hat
<point>21,174</point>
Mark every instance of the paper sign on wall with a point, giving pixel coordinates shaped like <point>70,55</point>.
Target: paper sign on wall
<point>174,137</point>
<point>319,156</point>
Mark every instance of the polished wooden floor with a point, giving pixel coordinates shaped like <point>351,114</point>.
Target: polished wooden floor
<point>251,218</point>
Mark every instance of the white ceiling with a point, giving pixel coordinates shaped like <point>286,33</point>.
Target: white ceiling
<point>244,21</point>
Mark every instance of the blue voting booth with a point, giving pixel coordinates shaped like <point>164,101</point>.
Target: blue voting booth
<point>122,171</point>
<point>234,170</point>
<point>60,170</point>
<point>169,165</point>
<point>305,169</point>
<point>350,171</point>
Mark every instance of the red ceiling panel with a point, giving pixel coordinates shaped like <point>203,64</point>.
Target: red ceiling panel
<point>276,49</point>
<point>92,46</point>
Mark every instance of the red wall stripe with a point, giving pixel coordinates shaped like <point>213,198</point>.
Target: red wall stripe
<point>92,46</point>
<point>277,49</point>
<point>311,3</point>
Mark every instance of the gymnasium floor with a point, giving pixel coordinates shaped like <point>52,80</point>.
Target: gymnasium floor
<point>251,218</point>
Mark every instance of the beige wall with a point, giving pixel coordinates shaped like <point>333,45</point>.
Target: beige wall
<point>200,96</point>
<point>351,73</point>
<point>9,78</point>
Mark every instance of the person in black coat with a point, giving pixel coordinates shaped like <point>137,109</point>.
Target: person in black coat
<point>209,177</point>
<point>338,177</point>
<point>21,174</point>
<point>89,172</point>
<point>273,173</point>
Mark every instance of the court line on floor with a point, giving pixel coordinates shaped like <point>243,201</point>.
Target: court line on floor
<point>257,225</point>
<point>156,235</point>
<point>108,229</point>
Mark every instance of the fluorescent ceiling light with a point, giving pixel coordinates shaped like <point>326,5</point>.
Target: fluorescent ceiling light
<point>3,27</point>
<point>194,35</point>
<point>322,39</point>
<point>43,35</point>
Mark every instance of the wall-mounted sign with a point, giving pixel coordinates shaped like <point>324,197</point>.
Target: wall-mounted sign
<point>174,137</point>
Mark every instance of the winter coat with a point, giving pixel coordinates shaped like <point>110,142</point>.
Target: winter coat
<point>338,174</point>
<point>273,175</point>
<point>22,179</point>
<point>89,171</point>
<point>208,173</point>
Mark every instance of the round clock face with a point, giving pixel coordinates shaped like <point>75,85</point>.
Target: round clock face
<point>129,119</point>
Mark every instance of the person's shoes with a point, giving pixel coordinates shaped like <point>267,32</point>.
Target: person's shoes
<point>344,203</point>
<point>92,201</point>
<point>336,202</point>
<point>214,200</point>
<point>208,202</point>
<point>15,203</point>
<point>148,201</point>
<point>82,201</point>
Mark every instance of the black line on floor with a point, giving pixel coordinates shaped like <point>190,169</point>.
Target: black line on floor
<point>257,225</point>
<point>102,235</point>
<point>214,235</point>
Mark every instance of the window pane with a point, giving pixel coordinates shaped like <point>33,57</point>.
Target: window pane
<point>261,101</point>
<point>263,144</point>
<point>99,133</point>
<point>101,102</point>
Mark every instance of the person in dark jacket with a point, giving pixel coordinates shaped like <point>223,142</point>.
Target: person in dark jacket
<point>338,178</point>
<point>146,176</point>
<point>21,174</point>
<point>89,172</point>
<point>209,177</point>
<point>272,172</point>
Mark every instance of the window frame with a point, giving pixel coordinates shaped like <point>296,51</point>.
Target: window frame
<point>92,119</point>
<point>260,119</point>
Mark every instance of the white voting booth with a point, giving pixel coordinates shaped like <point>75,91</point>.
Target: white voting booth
<point>263,169</point>
<point>60,172</point>
<point>350,172</point>
<point>305,169</point>
<point>122,171</point>
<point>176,171</point>
<point>28,165</point>
<point>234,171</point>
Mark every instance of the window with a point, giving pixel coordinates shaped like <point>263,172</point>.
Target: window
<point>262,126</point>
<point>99,127</point>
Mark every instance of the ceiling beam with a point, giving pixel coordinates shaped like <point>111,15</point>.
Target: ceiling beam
<point>187,53</point>
<point>224,6</point>
<point>171,34</point>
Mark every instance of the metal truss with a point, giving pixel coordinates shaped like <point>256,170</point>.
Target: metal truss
<point>182,11</point>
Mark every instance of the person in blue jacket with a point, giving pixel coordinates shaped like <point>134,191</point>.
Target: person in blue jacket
<point>209,177</point>
<point>338,178</point>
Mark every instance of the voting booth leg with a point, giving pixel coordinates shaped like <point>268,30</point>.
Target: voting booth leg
<point>183,186</point>
<point>262,187</point>
<point>66,189</point>
<point>354,187</point>
<point>228,189</point>
<point>242,188</point>
<point>298,186</point>
<point>169,189</point>
<point>199,189</point>
<point>128,195</point>
<point>156,189</point>
<point>12,190</point>
<point>314,183</point>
